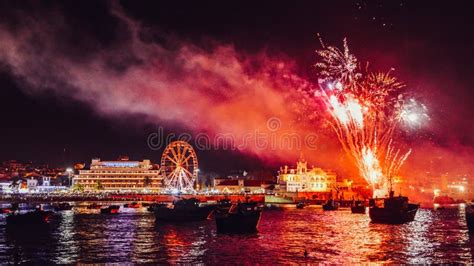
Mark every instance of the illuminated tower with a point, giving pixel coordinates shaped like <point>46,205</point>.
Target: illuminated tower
<point>301,165</point>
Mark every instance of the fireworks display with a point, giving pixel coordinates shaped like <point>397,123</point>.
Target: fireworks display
<point>366,109</point>
<point>414,114</point>
<point>219,90</point>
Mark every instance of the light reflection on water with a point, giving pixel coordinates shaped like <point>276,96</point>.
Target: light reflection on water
<point>436,236</point>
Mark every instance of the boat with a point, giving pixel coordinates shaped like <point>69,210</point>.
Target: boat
<point>133,205</point>
<point>331,205</point>
<point>94,206</point>
<point>224,203</point>
<point>5,210</point>
<point>358,207</point>
<point>444,200</point>
<point>63,206</point>
<point>300,205</point>
<point>36,217</point>
<point>151,207</point>
<point>392,210</point>
<point>239,218</point>
<point>275,207</point>
<point>470,218</point>
<point>183,210</point>
<point>112,209</point>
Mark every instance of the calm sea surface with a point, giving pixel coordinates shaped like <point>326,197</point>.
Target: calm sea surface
<point>436,236</point>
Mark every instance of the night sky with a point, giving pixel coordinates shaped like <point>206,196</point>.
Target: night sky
<point>428,43</point>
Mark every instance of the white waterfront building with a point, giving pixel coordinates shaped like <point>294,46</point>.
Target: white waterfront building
<point>303,179</point>
<point>119,175</point>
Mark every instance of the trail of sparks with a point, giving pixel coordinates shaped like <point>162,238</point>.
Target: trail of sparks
<point>365,108</point>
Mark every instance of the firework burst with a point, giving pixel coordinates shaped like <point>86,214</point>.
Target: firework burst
<point>338,64</point>
<point>366,109</point>
<point>414,114</point>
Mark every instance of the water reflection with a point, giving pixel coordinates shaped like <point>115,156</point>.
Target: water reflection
<point>29,245</point>
<point>144,250</point>
<point>67,249</point>
<point>436,236</point>
<point>183,243</point>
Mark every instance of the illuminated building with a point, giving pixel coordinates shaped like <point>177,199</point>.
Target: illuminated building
<point>303,179</point>
<point>5,187</point>
<point>237,186</point>
<point>120,175</point>
<point>33,186</point>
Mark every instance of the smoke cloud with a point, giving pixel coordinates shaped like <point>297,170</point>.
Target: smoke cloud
<point>216,90</point>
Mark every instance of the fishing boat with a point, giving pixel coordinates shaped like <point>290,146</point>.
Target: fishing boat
<point>392,210</point>
<point>63,206</point>
<point>36,217</point>
<point>358,207</point>
<point>183,210</point>
<point>331,205</point>
<point>470,218</point>
<point>112,209</point>
<point>239,218</point>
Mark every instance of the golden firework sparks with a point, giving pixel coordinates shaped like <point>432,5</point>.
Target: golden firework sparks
<point>365,108</point>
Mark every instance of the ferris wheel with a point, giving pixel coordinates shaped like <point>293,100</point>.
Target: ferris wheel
<point>179,167</point>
